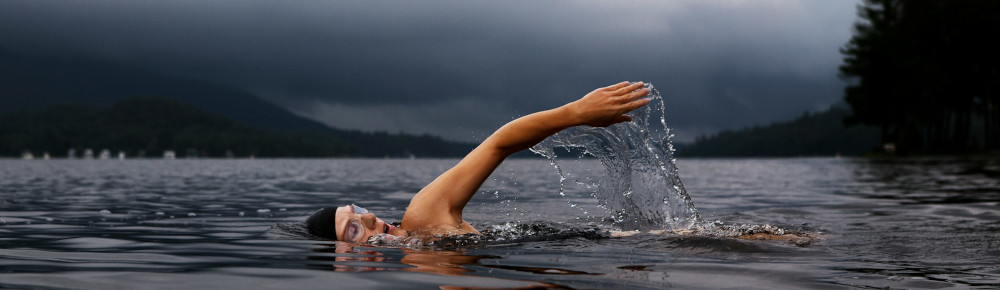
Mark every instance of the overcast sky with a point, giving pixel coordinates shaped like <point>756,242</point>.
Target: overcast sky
<point>460,69</point>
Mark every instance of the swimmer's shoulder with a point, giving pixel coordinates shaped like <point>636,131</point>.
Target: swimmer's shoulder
<point>446,230</point>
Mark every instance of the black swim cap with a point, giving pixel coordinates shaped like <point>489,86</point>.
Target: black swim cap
<point>323,223</point>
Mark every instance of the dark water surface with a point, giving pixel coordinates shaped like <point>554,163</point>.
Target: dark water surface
<point>231,224</point>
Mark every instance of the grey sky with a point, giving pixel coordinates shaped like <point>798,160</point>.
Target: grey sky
<point>461,68</point>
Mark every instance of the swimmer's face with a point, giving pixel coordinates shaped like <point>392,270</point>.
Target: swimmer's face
<point>356,224</point>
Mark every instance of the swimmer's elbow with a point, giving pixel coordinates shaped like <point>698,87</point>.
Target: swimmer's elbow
<point>498,151</point>
<point>496,147</point>
<point>508,141</point>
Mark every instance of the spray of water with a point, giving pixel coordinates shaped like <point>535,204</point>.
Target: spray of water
<point>640,186</point>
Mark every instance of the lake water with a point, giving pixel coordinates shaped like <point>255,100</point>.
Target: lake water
<point>232,224</point>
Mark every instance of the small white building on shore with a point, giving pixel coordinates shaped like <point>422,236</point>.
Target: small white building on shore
<point>105,154</point>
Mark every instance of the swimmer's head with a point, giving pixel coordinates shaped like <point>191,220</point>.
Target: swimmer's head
<point>321,223</point>
<point>349,223</point>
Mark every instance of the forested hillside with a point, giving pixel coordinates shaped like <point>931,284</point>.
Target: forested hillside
<point>820,134</point>
<point>148,126</point>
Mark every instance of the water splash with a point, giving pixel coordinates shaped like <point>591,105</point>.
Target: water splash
<point>640,185</point>
<point>494,235</point>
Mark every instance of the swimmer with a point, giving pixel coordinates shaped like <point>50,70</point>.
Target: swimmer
<point>437,208</point>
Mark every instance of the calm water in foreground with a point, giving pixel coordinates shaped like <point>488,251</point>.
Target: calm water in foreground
<point>232,224</point>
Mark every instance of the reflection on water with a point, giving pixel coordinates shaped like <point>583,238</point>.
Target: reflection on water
<point>220,224</point>
<point>939,222</point>
<point>930,180</point>
<point>347,257</point>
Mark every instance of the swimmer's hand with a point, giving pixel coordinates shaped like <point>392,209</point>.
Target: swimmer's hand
<point>607,106</point>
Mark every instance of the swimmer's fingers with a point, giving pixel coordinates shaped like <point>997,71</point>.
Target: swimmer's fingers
<point>633,101</point>
<point>607,106</point>
<point>623,91</point>
<point>615,87</point>
<point>632,96</point>
<point>630,106</point>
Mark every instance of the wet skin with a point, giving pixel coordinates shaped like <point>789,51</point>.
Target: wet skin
<point>358,225</point>
<point>437,208</point>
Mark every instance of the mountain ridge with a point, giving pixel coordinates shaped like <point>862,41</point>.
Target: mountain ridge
<point>31,83</point>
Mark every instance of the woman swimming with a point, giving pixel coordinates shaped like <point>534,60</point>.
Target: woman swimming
<point>437,208</point>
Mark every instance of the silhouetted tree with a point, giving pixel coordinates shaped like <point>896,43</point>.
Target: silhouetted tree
<point>926,72</point>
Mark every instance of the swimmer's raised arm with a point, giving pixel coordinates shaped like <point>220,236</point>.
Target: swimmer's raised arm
<point>439,205</point>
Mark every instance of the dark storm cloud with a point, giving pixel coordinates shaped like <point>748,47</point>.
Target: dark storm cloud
<point>458,68</point>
